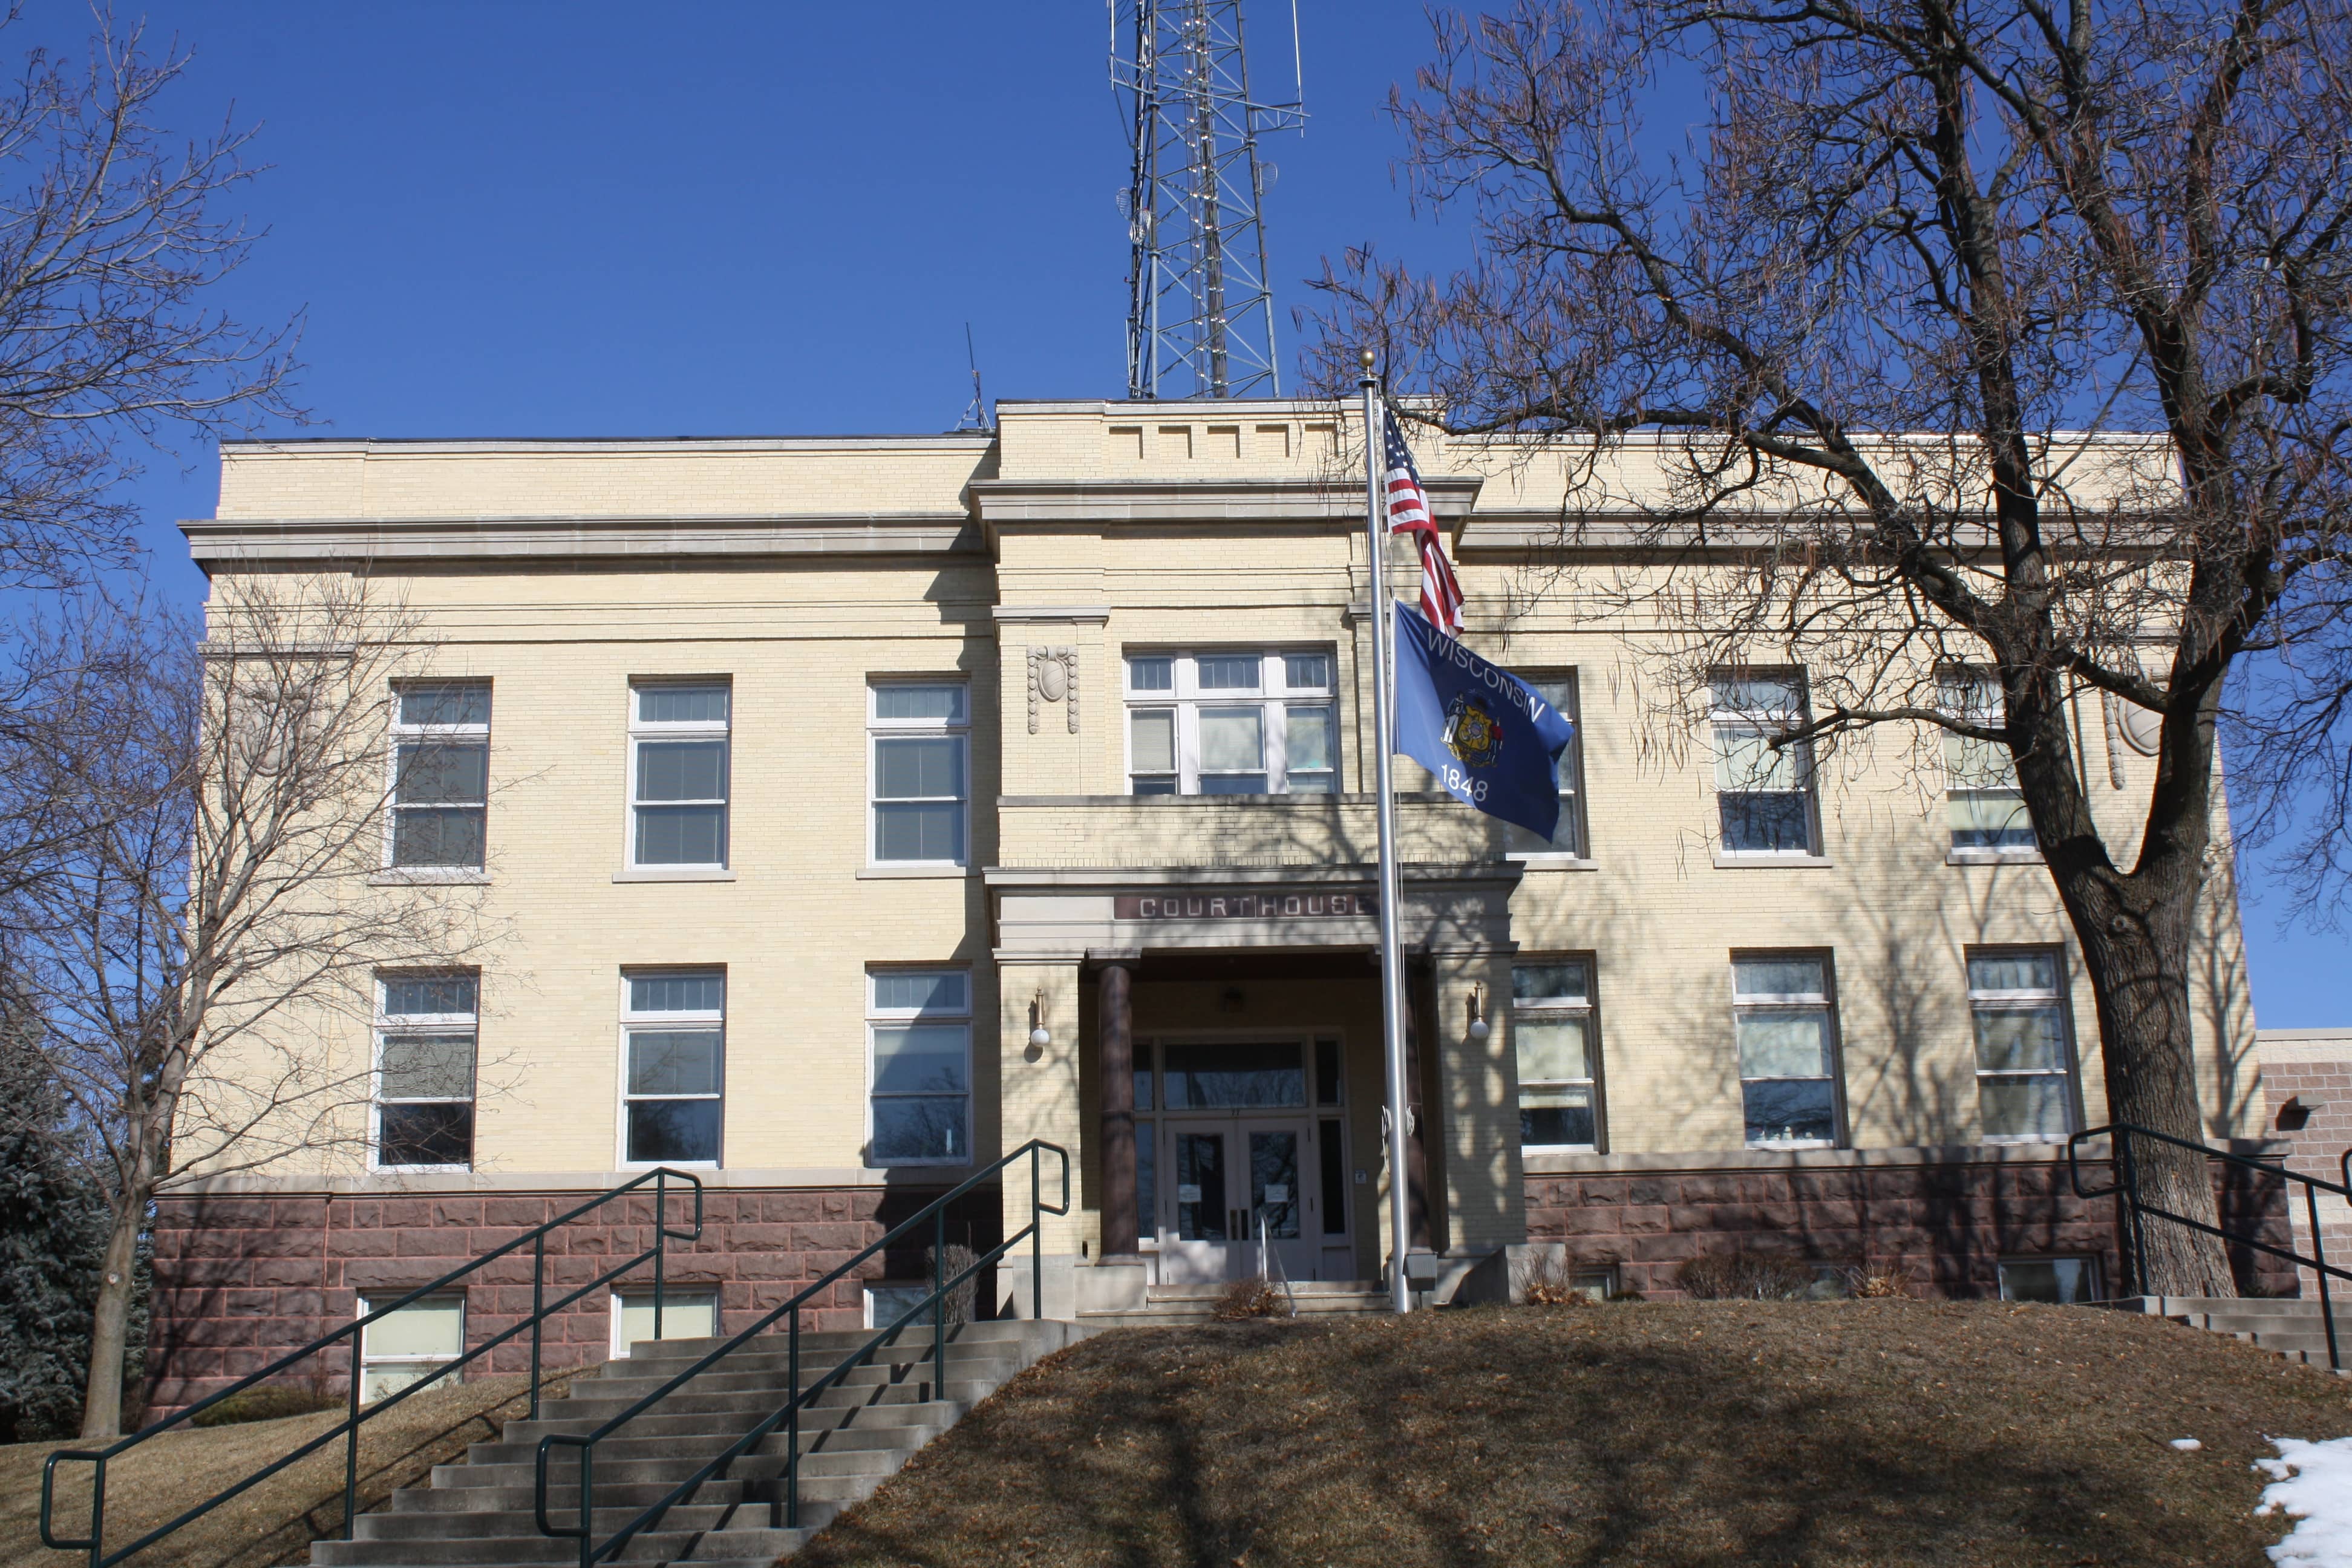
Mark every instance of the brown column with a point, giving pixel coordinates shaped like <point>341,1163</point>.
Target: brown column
<point>1115,1011</point>
<point>1416,1146</point>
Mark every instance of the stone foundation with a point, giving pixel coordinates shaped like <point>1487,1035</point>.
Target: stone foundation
<point>242,1279</point>
<point>1944,1222</point>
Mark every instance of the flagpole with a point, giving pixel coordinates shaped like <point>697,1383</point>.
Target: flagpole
<point>1383,743</point>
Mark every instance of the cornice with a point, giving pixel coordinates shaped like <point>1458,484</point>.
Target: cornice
<point>231,541</point>
<point>1089,503</point>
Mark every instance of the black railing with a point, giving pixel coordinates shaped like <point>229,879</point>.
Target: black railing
<point>2133,1211</point>
<point>349,1427</point>
<point>798,1398</point>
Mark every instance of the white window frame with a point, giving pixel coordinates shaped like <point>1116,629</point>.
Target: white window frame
<point>1273,699</point>
<point>672,1298</point>
<point>1834,1068</point>
<point>402,733</point>
<point>1540,1009</point>
<point>1724,720</point>
<point>2055,999</point>
<point>871,1288</point>
<point>642,730</point>
<point>697,1018</point>
<point>1974,695</point>
<point>391,1025</point>
<point>370,1365</point>
<point>2092,1289</point>
<point>1524,845</point>
<point>879,729</point>
<point>889,1017</point>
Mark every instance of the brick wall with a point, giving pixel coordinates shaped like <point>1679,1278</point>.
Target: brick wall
<point>1948,1225</point>
<point>2307,1093</point>
<point>240,1281</point>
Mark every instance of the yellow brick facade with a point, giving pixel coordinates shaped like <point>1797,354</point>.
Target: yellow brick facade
<point>800,570</point>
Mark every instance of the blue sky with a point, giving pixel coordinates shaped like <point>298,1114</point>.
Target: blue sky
<point>592,219</point>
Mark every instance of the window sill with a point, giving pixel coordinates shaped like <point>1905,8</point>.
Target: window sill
<point>429,877</point>
<point>919,1164</point>
<point>1993,857</point>
<point>1733,860</point>
<point>1548,1149</point>
<point>376,1170</point>
<point>632,1167</point>
<point>1537,862</point>
<point>1790,1147</point>
<point>675,874</point>
<point>895,873</point>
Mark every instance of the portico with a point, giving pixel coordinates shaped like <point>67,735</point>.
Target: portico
<point>1213,1057</point>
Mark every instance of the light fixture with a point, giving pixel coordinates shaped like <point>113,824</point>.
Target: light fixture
<point>1039,1036</point>
<point>1479,1027</point>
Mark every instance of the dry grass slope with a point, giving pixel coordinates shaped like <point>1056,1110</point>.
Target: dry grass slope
<point>276,1521</point>
<point>1671,1434</point>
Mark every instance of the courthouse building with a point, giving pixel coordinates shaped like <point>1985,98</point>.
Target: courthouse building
<point>841,797</point>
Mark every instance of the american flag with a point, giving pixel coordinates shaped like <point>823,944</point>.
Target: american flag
<point>1441,595</point>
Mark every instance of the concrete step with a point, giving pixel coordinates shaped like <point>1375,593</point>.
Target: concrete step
<point>493,1551</point>
<point>561,1500</point>
<point>694,1517</point>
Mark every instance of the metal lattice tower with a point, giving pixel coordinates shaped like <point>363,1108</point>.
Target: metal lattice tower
<point>1199,318</point>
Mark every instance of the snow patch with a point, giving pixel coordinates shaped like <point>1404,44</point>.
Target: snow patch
<point>2312,1483</point>
<point>2187,1445</point>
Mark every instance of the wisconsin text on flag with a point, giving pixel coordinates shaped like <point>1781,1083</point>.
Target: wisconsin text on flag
<point>1441,595</point>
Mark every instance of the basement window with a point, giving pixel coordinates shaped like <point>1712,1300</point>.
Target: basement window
<point>2060,1281</point>
<point>686,1315</point>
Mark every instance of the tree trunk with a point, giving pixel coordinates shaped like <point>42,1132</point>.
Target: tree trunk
<point>2136,934</point>
<point>101,1411</point>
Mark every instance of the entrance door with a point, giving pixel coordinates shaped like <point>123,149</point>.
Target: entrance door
<point>1229,1176</point>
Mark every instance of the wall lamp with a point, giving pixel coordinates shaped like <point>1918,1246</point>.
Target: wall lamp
<point>1039,1036</point>
<point>1479,1027</point>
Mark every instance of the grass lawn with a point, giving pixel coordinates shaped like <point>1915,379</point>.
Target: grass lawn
<point>1829,1433</point>
<point>275,1522</point>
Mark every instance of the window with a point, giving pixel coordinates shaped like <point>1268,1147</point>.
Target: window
<point>2024,1080</point>
<point>674,1033</point>
<point>886,1304</point>
<point>677,770</point>
<point>1551,1029</point>
<point>920,1030</point>
<point>2060,1282</point>
<point>425,1033</point>
<point>1988,813</point>
<point>1787,1033</point>
<point>409,1346</point>
<point>1764,795</point>
<point>684,1315</point>
<point>1568,838</point>
<point>921,772</point>
<point>441,775</point>
<point>1232,723</point>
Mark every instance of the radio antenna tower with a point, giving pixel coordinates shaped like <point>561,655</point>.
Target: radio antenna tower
<point>1200,315</point>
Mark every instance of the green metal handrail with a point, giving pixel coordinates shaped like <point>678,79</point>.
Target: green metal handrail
<point>349,1427</point>
<point>935,1213</point>
<point>2137,1210</point>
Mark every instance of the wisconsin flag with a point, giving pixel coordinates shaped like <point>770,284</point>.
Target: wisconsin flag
<point>1492,742</point>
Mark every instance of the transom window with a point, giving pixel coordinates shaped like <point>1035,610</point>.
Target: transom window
<point>921,772</point>
<point>425,1035</point>
<point>674,1041</point>
<point>1235,723</point>
<point>1987,809</point>
<point>1787,1033</point>
<point>918,1032</point>
<point>1764,795</point>
<point>2024,1070</point>
<point>441,775</point>
<point>678,741</point>
<point>1551,1030</point>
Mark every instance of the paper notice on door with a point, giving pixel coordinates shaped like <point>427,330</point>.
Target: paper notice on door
<point>1276,1194</point>
<point>1186,1192</point>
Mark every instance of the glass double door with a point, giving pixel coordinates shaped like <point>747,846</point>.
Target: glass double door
<point>1238,1190</point>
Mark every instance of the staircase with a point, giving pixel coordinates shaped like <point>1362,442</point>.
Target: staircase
<point>856,1435</point>
<point>1174,1306</point>
<point>2285,1326</point>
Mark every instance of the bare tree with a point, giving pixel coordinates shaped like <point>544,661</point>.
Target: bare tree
<point>111,242</point>
<point>2004,336</point>
<point>202,948</point>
